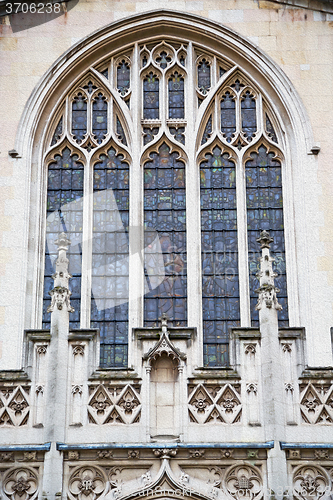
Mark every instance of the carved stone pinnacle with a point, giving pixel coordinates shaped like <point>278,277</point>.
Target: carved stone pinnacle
<point>264,239</point>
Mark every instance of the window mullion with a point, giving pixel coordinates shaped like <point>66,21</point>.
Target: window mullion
<point>193,226</point>
<point>244,297</point>
<point>136,268</point>
<point>87,244</point>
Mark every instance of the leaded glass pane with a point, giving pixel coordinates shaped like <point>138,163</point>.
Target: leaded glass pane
<point>120,132</point>
<point>151,97</point>
<point>163,60</point>
<point>249,120</point>
<point>178,133</point>
<point>110,254</point>
<point>208,131</point>
<point>123,77</point>
<point>164,212</point>
<point>57,133</point>
<point>265,212</point>
<point>64,213</point>
<point>228,116</point>
<point>79,117</point>
<point>270,130</point>
<point>100,118</point>
<point>220,286</point>
<point>204,82</point>
<point>176,96</point>
<point>149,134</point>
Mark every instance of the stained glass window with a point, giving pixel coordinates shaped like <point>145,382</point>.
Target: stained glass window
<point>100,118</point>
<point>123,77</point>
<point>228,116</point>
<point>151,97</point>
<point>220,286</point>
<point>176,96</point>
<point>64,213</point>
<point>204,82</point>
<point>249,120</point>
<point>79,117</point>
<point>164,211</point>
<point>265,212</point>
<point>109,298</point>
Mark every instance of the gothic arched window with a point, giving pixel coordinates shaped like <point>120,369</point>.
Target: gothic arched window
<point>153,146</point>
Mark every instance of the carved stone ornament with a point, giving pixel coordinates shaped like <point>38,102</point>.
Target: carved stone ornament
<point>77,389</point>
<point>164,346</point>
<point>286,347</point>
<point>14,406</point>
<point>114,405</point>
<point>73,455</point>
<point>267,290</point>
<point>218,403</point>
<point>197,453</point>
<point>252,388</point>
<point>88,483</point>
<point>104,454</point>
<point>316,403</point>
<point>60,295</point>
<point>21,484</point>
<point>133,454</point>
<point>165,452</point>
<point>60,298</point>
<point>30,456</point>
<point>250,348</point>
<point>244,481</point>
<point>321,454</point>
<point>78,349</point>
<point>227,453</point>
<point>310,482</point>
<point>7,456</point>
<point>41,349</point>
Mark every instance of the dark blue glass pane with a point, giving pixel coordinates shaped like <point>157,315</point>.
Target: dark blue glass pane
<point>176,96</point>
<point>270,130</point>
<point>100,118</point>
<point>178,133</point>
<point>57,133</point>
<point>121,133</point>
<point>228,116</point>
<point>65,185</point>
<point>109,303</point>
<point>164,212</point>
<point>264,211</point>
<point>249,120</point>
<point>151,97</point>
<point>220,285</point>
<point>208,131</point>
<point>163,60</point>
<point>204,82</point>
<point>79,117</point>
<point>123,77</point>
<point>149,134</point>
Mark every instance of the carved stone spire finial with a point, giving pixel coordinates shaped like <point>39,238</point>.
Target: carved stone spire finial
<point>267,290</point>
<point>60,295</point>
<point>164,323</point>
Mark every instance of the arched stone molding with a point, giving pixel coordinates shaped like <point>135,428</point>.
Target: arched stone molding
<point>250,60</point>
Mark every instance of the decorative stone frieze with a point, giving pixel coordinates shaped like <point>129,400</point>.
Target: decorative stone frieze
<point>14,405</point>
<point>244,481</point>
<point>214,403</point>
<point>87,482</point>
<point>109,404</point>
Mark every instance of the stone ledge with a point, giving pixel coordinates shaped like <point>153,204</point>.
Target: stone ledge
<point>14,376</point>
